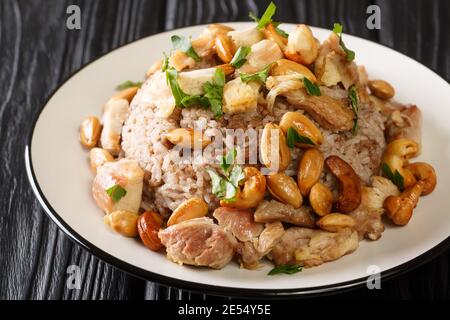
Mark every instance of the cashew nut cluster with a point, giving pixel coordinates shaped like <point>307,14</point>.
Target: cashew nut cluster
<point>419,179</point>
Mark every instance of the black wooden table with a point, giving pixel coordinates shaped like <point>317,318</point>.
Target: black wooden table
<point>37,52</point>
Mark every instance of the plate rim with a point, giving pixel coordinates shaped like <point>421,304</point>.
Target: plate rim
<point>147,275</point>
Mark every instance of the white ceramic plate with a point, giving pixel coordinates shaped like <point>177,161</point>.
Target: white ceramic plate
<point>58,170</point>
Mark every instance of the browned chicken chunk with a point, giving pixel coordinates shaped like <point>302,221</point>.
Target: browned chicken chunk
<point>313,247</point>
<point>251,252</point>
<point>254,240</point>
<point>368,222</point>
<point>270,211</point>
<point>406,123</point>
<point>198,242</point>
<point>239,222</point>
<point>330,113</point>
<point>269,237</point>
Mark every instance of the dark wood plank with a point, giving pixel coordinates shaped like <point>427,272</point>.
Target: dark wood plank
<point>37,52</point>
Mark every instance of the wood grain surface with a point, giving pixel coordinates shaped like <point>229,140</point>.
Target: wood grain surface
<point>37,52</point>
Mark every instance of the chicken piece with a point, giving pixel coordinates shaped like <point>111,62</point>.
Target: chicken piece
<point>198,242</point>
<point>255,240</point>
<point>239,222</point>
<point>368,222</point>
<point>270,211</point>
<point>247,37</point>
<point>249,256</point>
<point>330,113</point>
<point>157,92</point>
<point>301,46</point>
<point>251,252</point>
<point>125,173</point>
<point>406,122</point>
<point>114,115</point>
<point>313,247</point>
<point>204,45</point>
<point>262,54</point>
<point>368,216</point>
<point>270,236</point>
<point>191,82</point>
<point>332,66</point>
<point>240,97</point>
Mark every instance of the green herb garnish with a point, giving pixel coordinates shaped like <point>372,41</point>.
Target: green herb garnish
<point>214,92</point>
<point>228,160</point>
<point>260,76</point>
<point>225,187</point>
<point>165,65</point>
<point>312,88</point>
<point>293,137</point>
<point>217,183</point>
<point>116,192</point>
<point>184,44</point>
<point>281,32</point>
<point>236,176</point>
<point>177,92</point>
<point>395,177</point>
<point>239,57</point>
<point>337,29</point>
<point>267,18</point>
<point>354,103</point>
<point>128,84</point>
<point>286,269</point>
<point>189,101</point>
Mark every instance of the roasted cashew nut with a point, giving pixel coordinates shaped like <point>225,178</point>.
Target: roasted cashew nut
<point>335,222</point>
<point>396,158</point>
<point>284,188</point>
<point>309,170</point>
<point>148,226</point>
<point>274,151</point>
<point>189,209</point>
<point>224,47</point>
<point>284,67</point>
<point>321,199</point>
<point>271,33</point>
<point>303,126</point>
<point>187,138</point>
<point>252,192</point>
<point>400,208</point>
<point>123,222</point>
<point>424,172</point>
<point>349,184</point>
<point>301,46</point>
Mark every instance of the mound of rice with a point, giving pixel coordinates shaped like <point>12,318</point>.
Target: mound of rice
<point>169,182</point>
